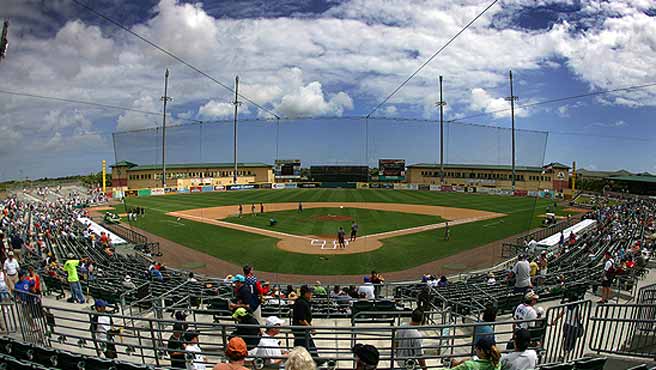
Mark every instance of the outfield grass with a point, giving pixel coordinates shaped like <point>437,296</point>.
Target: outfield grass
<point>312,221</point>
<point>396,254</point>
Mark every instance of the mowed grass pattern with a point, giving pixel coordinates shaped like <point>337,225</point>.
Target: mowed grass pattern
<point>397,253</point>
<point>316,221</point>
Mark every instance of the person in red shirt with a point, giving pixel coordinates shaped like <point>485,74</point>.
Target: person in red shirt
<point>104,239</point>
<point>31,275</point>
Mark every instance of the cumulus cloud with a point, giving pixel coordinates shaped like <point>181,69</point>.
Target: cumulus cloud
<point>215,109</point>
<point>481,100</point>
<point>309,100</point>
<point>133,120</point>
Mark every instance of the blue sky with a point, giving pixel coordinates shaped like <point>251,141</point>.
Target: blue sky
<point>330,59</point>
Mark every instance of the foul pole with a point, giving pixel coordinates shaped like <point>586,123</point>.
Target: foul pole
<point>234,144</point>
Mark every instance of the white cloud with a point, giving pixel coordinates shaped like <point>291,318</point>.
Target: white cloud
<point>481,100</point>
<point>133,120</point>
<point>215,109</point>
<point>309,100</point>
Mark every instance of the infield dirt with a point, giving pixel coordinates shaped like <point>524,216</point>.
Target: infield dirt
<point>312,244</point>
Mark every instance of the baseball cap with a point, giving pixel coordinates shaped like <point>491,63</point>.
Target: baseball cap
<point>240,312</point>
<point>71,255</point>
<point>305,289</point>
<point>11,253</point>
<point>485,342</point>
<point>367,279</point>
<point>239,278</point>
<point>100,303</point>
<point>272,321</point>
<point>367,354</point>
<point>236,346</point>
<point>531,295</point>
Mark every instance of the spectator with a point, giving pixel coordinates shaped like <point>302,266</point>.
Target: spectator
<point>443,281</point>
<point>487,353</point>
<point>491,280</point>
<point>255,288</point>
<point>299,359</point>
<point>319,290</point>
<point>302,316</point>
<point>269,347</point>
<point>4,290</point>
<point>102,331</point>
<point>367,291</point>
<point>34,277</point>
<point>17,244</point>
<point>607,277</point>
<point>244,297</point>
<point>366,357</point>
<point>489,317</point>
<point>247,328</point>
<point>128,283</point>
<point>521,272</point>
<point>191,278</point>
<point>236,352</point>
<point>175,347</point>
<point>573,326</point>
<point>533,268</point>
<point>11,268</point>
<point>522,358</point>
<point>70,266</point>
<point>336,292</point>
<point>197,360</point>
<point>526,311</point>
<point>408,342</point>
<point>378,280</point>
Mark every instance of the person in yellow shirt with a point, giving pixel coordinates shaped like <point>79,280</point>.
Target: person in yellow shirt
<point>534,268</point>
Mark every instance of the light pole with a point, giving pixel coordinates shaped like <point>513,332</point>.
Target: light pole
<point>441,104</point>
<point>512,99</point>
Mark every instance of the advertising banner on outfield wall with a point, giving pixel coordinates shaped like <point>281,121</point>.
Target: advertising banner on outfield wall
<point>291,185</point>
<point>435,188</point>
<point>424,187</point>
<point>448,188</point>
<point>278,186</point>
<point>118,194</point>
<point>242,187</point>
<point>143,192</point>
<point>195,189</point>
<point>343,185</point>
<point>266,185</point>
<point>362,185</point>
<point>130,193</point>
<point>520,193</point>
<point>309,185</point>
<point>157,191</point>
<point>183,190</point>
<point>207,189</point>
<point>170,190</point>
<point>219,188</point>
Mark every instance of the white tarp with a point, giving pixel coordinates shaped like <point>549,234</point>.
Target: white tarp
<point>96,229</point>
<point>579,228</point>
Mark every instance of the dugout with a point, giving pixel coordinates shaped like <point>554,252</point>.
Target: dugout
<point>339,173</point>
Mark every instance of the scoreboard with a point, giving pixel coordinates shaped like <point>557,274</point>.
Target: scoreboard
<point>391,169</point>
<point>287,168</point>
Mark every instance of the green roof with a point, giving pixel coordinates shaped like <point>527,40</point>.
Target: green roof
<point>123,164</point>
<point>634,178</point>
<point>477,167</point>
<point>197,165</point>
<point>601,174</point>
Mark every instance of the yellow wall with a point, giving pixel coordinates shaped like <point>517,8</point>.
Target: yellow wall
<point>525,180</point>
<point>197,177</point>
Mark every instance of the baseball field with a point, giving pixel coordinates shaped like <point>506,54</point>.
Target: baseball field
<point>397,229</point>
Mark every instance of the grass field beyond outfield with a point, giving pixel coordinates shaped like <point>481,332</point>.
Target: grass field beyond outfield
<point>325,221</point>
<point>397,253</point>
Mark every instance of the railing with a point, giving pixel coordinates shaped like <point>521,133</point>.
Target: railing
<point>547,231</point>
<point>126,233</point>
<point>625,329</point>
<point>143,339</point>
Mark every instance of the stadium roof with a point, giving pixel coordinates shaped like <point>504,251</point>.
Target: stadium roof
<point>197,165</point>
<point>556,165</point>
<point>601,174</point>
<point>478,167</point>
<point>635,178</point>
<point>123,163</point>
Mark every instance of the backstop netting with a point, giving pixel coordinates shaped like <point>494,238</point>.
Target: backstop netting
<point>334,153</point>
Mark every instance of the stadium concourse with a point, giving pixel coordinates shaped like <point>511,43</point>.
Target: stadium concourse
<point>73,300</point>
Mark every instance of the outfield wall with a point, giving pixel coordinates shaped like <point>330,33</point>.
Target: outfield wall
<point>119,193</point>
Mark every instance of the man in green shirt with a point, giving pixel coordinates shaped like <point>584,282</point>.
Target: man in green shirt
<point>70,266</point>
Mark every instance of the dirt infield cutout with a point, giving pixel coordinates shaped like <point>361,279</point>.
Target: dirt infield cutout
<point>313,244</point>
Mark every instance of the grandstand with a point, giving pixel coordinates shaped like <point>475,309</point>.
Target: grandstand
<point>47,329</point>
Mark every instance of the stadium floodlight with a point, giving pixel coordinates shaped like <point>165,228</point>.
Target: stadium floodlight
<point>4,41</point>
<point>512,98</point>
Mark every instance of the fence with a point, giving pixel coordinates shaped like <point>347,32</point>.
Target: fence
<point>633,328</point>
<point>126,233</point>
<point>561,335</point>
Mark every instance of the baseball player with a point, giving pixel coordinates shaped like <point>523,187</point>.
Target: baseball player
<point>354,231</point>
<point>341,236</point>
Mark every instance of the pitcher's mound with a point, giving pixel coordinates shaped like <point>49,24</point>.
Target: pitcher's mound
<point>332,218</point>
